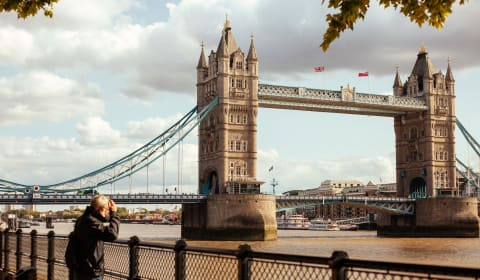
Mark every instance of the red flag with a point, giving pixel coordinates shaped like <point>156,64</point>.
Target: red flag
<point>363,74</point>
<point>319,69</point>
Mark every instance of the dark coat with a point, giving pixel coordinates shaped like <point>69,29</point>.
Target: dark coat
<point>91,231</point>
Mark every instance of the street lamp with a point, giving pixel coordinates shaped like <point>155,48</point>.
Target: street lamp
<point>274,184</point>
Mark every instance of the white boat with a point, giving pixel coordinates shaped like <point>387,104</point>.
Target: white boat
<point>348,227</point>
<point>294,221</point>
<point>322,224</point>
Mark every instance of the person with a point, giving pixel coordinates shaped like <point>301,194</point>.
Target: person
<point>91,230</point>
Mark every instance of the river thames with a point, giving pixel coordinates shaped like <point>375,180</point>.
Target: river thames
<point>358,244</point>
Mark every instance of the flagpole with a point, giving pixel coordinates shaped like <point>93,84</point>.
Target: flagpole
<point>368,81</point>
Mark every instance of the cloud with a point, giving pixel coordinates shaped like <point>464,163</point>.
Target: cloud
<point>36,96</point>
<point>304,174</point>
<point>97,132</point>
<point>148,59</point>
<point>151,127</point>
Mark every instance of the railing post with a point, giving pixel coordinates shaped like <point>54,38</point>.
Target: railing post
<point>243,257</point>
<point>336,264</point>
<point>180,246</point>
<point>6,249</point>
<point>2,235</point>
<point>133,259</point>
<point>51,256</point>
<point>18,251</point>
<point>33,249</point>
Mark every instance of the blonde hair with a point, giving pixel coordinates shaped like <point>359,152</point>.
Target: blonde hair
<point>99,201</point>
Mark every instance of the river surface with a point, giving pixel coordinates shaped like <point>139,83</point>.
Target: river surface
<point>358,244</point>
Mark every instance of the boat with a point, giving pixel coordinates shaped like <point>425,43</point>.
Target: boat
<point>322,224</point>
<point>294,221</point>
<point>348,227</point>
<point>24,224</point>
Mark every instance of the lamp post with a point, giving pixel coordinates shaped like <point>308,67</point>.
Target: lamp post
<point>274,184</point>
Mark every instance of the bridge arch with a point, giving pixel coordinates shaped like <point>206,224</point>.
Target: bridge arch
<point>418,188</point>
<point>210,185</point>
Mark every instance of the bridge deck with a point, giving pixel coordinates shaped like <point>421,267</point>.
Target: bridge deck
<point>85,199</point>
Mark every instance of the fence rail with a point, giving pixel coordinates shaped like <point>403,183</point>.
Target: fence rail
<point>134,260</point>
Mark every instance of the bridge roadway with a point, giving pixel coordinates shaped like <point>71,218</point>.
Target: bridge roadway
<point>59,199</point>
<point>399,205</point>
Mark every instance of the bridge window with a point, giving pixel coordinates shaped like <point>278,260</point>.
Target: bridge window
<point>244,119</point>
<point>232,145</point>
<point>239,65</point>
<point>233,83</point>
<point>239,83</point>
<point>238,119</point>
<point>414,155</point>
<point>413,133</point>
<point>237,146</point>
<point>244,146</point>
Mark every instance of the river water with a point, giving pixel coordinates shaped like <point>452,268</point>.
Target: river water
<point>358,244</point>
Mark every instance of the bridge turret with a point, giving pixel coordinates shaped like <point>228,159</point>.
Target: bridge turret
<point>449,80</point>
<point>422,74</point>
<point>202,67</point>
<point>252,60</point>
<point>397,85</point>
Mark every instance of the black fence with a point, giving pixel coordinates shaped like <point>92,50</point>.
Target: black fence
<point>134,259</point>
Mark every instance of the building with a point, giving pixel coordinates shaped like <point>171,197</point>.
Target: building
<point>340,187</point>
<point>227,136</point>
<point>425,141</point>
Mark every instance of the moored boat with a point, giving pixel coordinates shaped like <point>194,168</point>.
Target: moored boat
<point>294,221</point>
<point>322,224</point>
<point>348,227</point>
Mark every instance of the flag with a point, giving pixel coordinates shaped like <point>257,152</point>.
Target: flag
<point>363,74</point>
<point>319,69</point>
<point>271,168</point>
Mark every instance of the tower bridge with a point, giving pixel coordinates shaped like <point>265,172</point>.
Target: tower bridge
<point>230,204</point>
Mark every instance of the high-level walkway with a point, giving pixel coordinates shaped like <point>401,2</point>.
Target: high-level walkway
<point>342,101</point>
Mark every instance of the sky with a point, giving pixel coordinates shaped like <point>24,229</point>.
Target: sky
<point>101,78</point>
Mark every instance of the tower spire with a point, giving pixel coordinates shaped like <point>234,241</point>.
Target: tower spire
<point>449,75</point>
<point>202,62</point>
<point>222,47</point>
<point>252,53</point>
<point>398,81</point>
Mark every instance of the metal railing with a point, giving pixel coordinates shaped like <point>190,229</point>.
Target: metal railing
<point>134,259</point>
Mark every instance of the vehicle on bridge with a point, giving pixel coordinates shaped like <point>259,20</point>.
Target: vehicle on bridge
<point>87,192</point>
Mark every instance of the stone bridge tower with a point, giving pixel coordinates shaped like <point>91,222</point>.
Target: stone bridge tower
<point>235,209</point>
<point>227,136</point>
<point>425,141</point>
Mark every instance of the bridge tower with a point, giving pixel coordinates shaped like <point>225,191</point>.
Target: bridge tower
<point>235,209</point>
<point>425,141</point>
<point>227,137</point>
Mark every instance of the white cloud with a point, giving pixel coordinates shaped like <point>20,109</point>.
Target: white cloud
<point>96,131</point>
<point>37,96</point>
<point>151,127</point>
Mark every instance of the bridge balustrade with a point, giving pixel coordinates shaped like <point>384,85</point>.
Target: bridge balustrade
<point>134,259</point>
